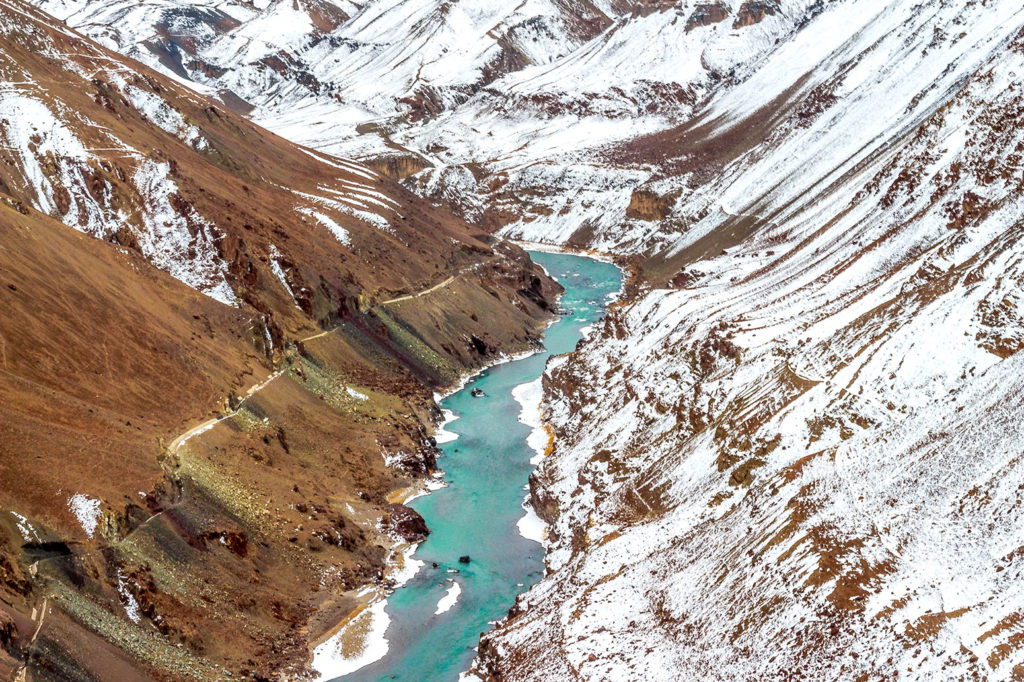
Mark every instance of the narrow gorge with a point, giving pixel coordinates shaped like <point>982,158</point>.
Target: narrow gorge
<point>251,251</point>
<point>483,547</point>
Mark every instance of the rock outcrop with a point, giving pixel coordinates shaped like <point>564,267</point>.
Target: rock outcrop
<point>406,522</point>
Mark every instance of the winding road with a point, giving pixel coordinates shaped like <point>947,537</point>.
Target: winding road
<point>434,288</point>
<point>425,291</point>
<point>213,421</point>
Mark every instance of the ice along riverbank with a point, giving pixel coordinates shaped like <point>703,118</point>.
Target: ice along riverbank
<point>433,623</point>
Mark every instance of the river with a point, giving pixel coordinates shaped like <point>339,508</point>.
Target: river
<point>437,617</point>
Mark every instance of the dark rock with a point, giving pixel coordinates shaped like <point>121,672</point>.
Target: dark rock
<point>751,13</point>
<point>464,559</point>
<point>8,629</point>
<point>406,522</point>
<point>706,14</point>
<point>479,345</point>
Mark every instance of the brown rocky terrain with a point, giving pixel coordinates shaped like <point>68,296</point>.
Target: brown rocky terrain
<point>193,490</point>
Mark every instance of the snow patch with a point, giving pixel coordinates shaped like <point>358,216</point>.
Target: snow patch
<point>167,241</point>
<point>86,510</point>
<point>339,232</point>
<point>348,651</point>
<point>353,393</point>
<point>128,600</point>
<point>405,568</point>
<point>443,435</point>
<point>531,526</point>
<point>449,599</point>
<point>530,396</point>
<point>161,113</point>
<point>275,266</point>
<point>28,532</point>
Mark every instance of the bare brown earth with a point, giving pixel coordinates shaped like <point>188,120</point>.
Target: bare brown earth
<point>218,554</point>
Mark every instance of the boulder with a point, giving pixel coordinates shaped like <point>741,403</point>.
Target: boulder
<point>406,522</point>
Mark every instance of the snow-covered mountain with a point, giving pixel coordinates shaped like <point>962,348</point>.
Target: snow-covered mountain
<point>793,450</point>
<point>500,102</point>
<point>811,465</point>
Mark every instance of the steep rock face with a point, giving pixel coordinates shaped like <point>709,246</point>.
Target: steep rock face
<point>647,205</point>
<point>807,460</point>
<point>217,358</point>
<point>406,522</point>
<point>706,14</point>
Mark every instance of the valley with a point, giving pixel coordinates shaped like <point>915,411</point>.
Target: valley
<point>790,450</point>
<point>430,627</point>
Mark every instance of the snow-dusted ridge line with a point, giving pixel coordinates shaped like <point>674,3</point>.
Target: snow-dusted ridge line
<point>542,84</point>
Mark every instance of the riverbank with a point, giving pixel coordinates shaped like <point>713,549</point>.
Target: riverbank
<point>358,639</point>
<point>543,247</point>
<point>489,445</point>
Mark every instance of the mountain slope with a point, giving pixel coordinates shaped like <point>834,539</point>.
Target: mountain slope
<point>218,354</point>
<point>497,109</point>
<point>792,450</point>
<point>812,446</point>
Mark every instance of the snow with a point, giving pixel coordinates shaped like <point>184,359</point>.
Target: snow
<point>338,656</point>
<point>36,133</point>
<point>128,600</point>
<point>275,266</point>
<point>44,137</point>
<point>28,531</point>
<point>353,393</point>
<point>530,396</point>
<point>578,84</point>
<point>404,568</point>
<point>157,110</point>
<point>531,526</point>
<point>860,348</point>
<point>449,599</point>
<point>86,510</point>
<point>339,232</point>
<point>443,435</point>
<point>167,241</point>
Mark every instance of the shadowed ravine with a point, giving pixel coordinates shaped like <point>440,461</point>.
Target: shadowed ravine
<point>486,469</point>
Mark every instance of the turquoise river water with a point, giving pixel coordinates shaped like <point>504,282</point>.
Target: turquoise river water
<point>486,469</point>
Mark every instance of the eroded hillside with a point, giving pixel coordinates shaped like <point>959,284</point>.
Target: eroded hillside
<point>218,355</point>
